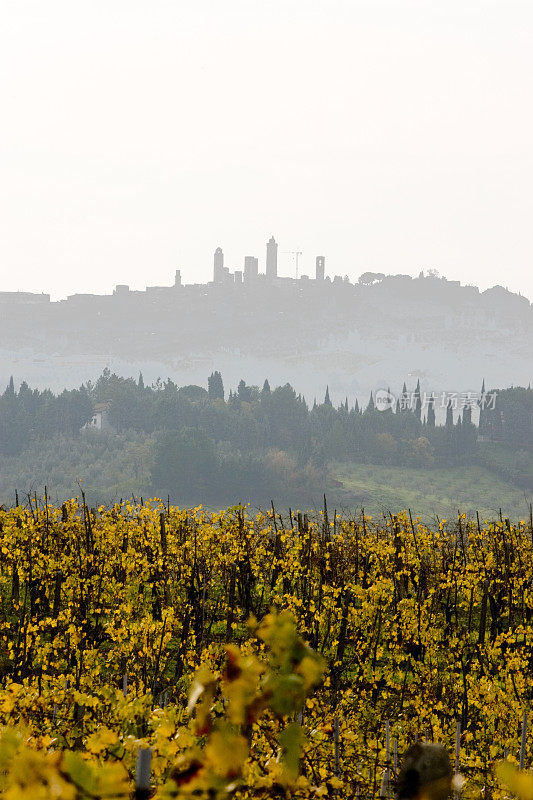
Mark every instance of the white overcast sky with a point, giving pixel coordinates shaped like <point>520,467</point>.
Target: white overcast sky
<point>388,135</point>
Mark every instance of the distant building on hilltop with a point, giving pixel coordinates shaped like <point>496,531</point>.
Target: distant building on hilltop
<point>320,268</point>
<point>24,297</point>
<point>251,269</point>
<point>218,266</point>
<point>221,274</point>
<point>272,259</point>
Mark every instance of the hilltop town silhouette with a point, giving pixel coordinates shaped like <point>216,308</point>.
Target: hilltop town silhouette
<point>306,330</point>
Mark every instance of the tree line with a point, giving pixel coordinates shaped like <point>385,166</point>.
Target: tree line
<point>268,438</point>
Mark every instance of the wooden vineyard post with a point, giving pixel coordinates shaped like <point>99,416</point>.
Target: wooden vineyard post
<point>142,774</point>
<point>336,734</point>
<point>385,785</point>
<point>523,741</point>
<point>457,763</point>
<point>457,745</point>
<point>387,755</point>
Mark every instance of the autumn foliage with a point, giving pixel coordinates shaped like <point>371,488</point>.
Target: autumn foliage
<point>255,654</point>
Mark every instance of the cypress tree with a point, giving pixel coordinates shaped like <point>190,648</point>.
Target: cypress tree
<point>418,401</point>
<point>404,404</point>
<point>10,390</point>
<point>449,415</point>
<point>431,412</point>
<point>459,439</point>
<point>483,427</point>
<point>327,401</point>
<point>243,391</point>
<point>215,386</point>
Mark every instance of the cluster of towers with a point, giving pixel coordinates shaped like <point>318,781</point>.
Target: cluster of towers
<point>222,275</point>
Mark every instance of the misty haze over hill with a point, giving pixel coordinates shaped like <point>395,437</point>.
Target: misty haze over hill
<point>364,135</point>
<point>311,332</point>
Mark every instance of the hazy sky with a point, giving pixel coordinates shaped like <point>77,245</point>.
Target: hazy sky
<point>137,136</point>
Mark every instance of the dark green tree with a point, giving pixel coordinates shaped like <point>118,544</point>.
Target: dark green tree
<point>418,401</point>
<point>10,389</point>
<point>449,415</point>
<point>185,465</point>
<point>431,412</point>
<point>244,392</point>
<point>215,386</point>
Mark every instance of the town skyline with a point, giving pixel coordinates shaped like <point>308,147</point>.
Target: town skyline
<point>251,270</point>
<point>130,147</point>
<point>350,336</point>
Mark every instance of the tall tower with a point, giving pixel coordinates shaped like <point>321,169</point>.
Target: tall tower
<point>272,259</point>
<point>320,268</point>
<point>251,268</point>
<point>218,266</point>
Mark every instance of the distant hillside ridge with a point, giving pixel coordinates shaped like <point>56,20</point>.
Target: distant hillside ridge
<point>308,332</point>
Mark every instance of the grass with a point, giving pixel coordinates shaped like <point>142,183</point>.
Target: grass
<point>429,493</point>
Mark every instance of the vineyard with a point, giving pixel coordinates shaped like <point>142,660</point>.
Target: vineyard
<point>260,654</point>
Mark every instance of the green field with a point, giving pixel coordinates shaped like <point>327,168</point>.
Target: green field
<point>512,464</point>
<point>111,467</point>
<point>428,493</point>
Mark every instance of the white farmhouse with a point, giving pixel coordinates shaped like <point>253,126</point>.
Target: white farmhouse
<point>100,419</point>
